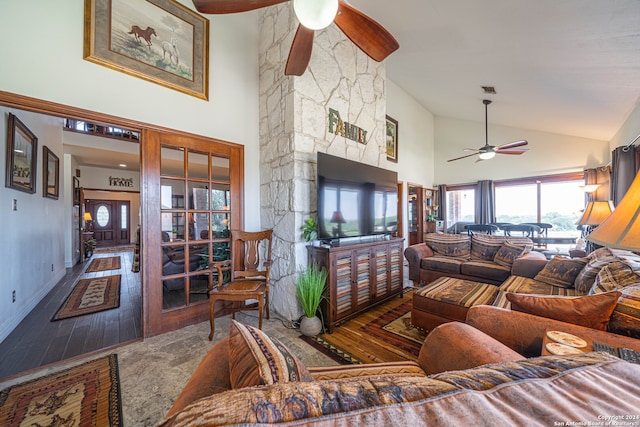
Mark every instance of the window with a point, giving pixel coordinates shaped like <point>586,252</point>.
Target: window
<point>557,200</point>
<point>460,205</point>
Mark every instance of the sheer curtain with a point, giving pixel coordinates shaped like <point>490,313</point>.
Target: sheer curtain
<point>623,165</point>
<point>485,202</point>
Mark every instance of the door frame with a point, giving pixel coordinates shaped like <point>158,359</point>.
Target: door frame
<point>151,322</point>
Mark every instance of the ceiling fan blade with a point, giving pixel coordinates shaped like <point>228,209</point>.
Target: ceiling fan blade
<point>471,149</point>
<point>232,6</point>
<point>371,37</point>
<point>463,157</point>
<point>521,151</point>
<point>300,52</point>
<point>512,145</point>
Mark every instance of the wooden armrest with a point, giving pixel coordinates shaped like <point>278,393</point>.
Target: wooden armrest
<point>221,266</point>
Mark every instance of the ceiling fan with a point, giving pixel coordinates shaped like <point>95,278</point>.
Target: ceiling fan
<point>363,31</point>
<point>487,151</point>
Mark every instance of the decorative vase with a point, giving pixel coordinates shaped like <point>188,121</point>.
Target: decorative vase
<point>310,326</point>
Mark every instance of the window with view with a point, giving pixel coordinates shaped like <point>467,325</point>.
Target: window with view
<point>460,206</point>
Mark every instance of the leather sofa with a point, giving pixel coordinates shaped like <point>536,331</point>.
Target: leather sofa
<point>466,374</point>
<point>474,258</point>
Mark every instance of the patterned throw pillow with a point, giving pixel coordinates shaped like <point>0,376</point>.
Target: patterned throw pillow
<point>597,259</point>
<point>484,247</point>
<point>507,253</point>
<point>592,311</point>
<point>561,271</point>
<point>256,359</point>
<point>613,276</point>
<point>625,319</point>
<point>451,245</point>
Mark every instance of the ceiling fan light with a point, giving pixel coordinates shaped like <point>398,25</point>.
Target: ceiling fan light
<point>315,14</point>
<point>486,155</point>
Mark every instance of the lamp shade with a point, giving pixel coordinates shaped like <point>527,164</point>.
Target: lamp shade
<point>595,213</point>
<point>621,230</point>
<point>87,216</point>
<point>315,14</point>
<point>337,217</point>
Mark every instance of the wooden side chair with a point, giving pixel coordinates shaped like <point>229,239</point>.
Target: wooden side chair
<point>248,274</point>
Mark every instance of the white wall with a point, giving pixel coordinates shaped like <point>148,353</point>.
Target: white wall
<point>32,257</point>
<point>548,153</point>
<point>629,130</point>
<point>415,143</point>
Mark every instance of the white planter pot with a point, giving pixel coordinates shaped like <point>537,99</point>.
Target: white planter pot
<point>310,326</point>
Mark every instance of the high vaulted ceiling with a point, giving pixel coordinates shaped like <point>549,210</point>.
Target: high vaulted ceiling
<point>563,66</point>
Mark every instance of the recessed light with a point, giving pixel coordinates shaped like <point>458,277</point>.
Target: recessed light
<point>122,165</point>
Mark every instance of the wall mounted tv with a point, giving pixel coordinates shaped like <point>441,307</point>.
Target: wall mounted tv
<point>355,199</point>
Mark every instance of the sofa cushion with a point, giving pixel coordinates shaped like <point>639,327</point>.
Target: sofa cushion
<point>592,311</point>
<point>256,359</point>
<point>510,393</point>
<point>484,247</point>
<point>525,285</point>
<point>486,270</point>
<point>561,271</point>
<point>450,245</point>
<point>442,264</point>
<point>507,253</point>
<point>625,319</point>
<point>613,276</point>
<point>587,276</point>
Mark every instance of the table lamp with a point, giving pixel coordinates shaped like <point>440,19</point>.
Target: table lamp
<point>88,221</point>
<point>621,229</point>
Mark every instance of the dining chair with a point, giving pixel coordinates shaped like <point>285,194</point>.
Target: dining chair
<point>247,273</point>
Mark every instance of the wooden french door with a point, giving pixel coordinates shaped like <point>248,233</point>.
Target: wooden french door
<point>193,197</point>
<point>110,221</point>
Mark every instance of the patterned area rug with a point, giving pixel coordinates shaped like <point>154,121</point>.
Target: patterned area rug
<point>382,334</point>
<point>104,264</point>
<point>85,395</point>
<point>90,296</point>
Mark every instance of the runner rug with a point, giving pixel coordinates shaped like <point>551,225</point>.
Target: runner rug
<point>90,296</point>
<point>104,264</point>
<point>85,395</point>
<point>381,334</point>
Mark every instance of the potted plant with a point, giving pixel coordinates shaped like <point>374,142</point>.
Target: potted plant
<point>310,288</point>
<point>309,230</point>
<point>89,246</point>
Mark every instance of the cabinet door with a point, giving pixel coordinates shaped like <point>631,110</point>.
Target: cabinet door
<point>381,283</point>
<point>361,271</point>
<point>396,267</point>
<point>343,299</point>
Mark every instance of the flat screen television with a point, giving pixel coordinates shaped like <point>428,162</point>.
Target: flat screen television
<point>355,199</point>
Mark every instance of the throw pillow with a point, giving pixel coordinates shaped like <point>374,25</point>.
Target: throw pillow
<point>256,359</point>
<point>484,247</point>
<point>613,276</point>
<point>561,271</point>
<point>592,311</point>
<point>507,253</point>
<point>597,259</point>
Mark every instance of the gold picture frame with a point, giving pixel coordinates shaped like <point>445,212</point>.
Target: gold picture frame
<point>391,139</point>
<point>161,41</point>
<point>22,156</point>
<point>50,174</point>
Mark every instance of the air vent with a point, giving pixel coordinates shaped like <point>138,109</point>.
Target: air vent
<point>489,89</point>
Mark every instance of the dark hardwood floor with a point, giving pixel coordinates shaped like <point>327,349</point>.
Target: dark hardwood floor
<point>37,341</point>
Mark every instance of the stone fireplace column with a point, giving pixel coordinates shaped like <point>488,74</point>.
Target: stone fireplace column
<point>294,127</point>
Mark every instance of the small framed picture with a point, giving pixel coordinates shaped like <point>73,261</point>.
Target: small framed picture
<point>392,139</point>
<point>50,174</point>
<point>22,156</point>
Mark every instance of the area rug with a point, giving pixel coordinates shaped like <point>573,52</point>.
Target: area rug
<point>104,264</point>
<point>381,334</point>
<point>85,395</point>
<point>90,296</point>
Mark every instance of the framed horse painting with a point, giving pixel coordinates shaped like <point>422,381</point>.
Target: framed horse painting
<point>161,41</point>
<point>22,150</point>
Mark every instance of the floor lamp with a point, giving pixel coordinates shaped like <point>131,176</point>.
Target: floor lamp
<point>621,229</point>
